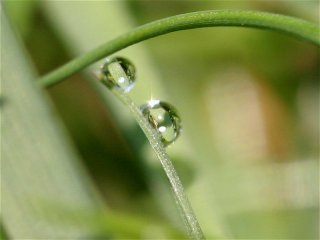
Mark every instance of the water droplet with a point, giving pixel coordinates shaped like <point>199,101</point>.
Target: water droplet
<point>164,117</point>
<point>118,73</point>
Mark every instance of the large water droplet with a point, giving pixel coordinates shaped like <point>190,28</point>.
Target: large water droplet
<point>163,117</point>
<point>118,73</point>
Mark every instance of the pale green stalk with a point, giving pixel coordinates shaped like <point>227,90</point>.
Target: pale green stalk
<point>153,136</point>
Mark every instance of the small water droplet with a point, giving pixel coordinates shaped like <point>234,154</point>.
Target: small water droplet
<point>118,73</point>
<point>164,117</point>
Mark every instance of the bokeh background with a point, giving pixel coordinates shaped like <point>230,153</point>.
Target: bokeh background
<point>249,152</point>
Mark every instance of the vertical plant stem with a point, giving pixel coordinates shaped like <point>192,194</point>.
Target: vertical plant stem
<point>186,211</point>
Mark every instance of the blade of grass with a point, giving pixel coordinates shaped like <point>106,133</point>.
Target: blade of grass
<point>38,164</point>
<point>293,26</point>
<point>187,214</point>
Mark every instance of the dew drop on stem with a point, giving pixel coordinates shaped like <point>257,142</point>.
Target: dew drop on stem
<point>164,118</point>
<point>118,73</point>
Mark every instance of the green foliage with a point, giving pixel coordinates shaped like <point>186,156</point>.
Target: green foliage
<point>237,190</point>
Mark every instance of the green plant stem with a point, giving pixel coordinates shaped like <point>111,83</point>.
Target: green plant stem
<point>296,27</point>
<point>158,146</point>
<point>186,212</point>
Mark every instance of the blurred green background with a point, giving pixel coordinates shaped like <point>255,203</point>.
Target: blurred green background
<point>249,152</point>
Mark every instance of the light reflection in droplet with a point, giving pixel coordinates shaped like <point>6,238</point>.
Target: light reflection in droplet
<point>118,73</point>
<point>163,117</point>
